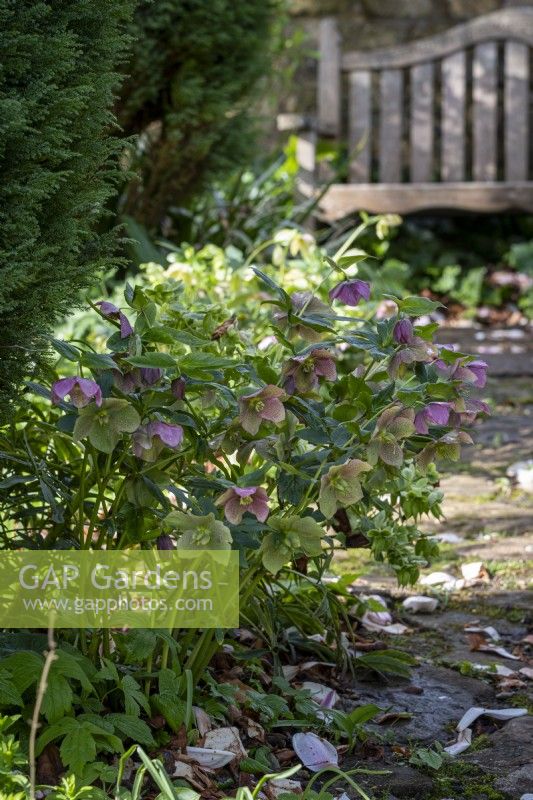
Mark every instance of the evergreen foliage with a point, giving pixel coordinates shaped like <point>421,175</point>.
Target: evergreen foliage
<point>58,160</point>
<point>192,75</point>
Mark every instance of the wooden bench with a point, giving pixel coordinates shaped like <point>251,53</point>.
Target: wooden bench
<point>438,123</point>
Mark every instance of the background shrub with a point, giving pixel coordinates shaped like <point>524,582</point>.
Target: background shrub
<point>191,79</point>
<point>58,161</point>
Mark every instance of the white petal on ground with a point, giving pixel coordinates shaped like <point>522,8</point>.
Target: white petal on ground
<point>473,571</point>
<point>396,629</point>
<point>420,604</point>
<point>323,695</point>
<point>314,753</point>
<point>496,713</point>
<point>207,757</point>
<point>500,651</point>
<point>489,631</point>
<point>290,671</point>
<point>461,744</point>
<point>448,538</point>
<point>495,669</point>
<point>439,579</point>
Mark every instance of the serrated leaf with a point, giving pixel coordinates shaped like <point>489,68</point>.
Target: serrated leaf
<point>77,749</point>
<point>204,362</point>
<point>134,697</point>
<point>98,361</point>
<point>172,709</point>
<point>415,306</point>
<point>132,727</point>
<point>57,700</point>
<point>60,728</point>
<point>65,349</point>
<point>9,695</point>
<point>25,669</point>
<point>161,360</point>
<point>282,294</point>
<point>139,645</point>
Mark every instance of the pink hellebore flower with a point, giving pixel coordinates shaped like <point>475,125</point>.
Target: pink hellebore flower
<point>265,404</point>
<point>465,411</point>
<point>302,304</point>
<point>81,391</point>
<point>177,387</point>
<point>236,502</point>
<point>302,373</point>
<point>150,375</point>
<point>111,311</point>
<point>150,439</point>
<point>350,292</point>
<point>432,414</point>
<point>403,331</point>
<point>474,372</point>
<point>165,542</point>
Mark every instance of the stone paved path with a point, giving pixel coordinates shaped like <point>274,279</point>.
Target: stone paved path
<point>493,522</point>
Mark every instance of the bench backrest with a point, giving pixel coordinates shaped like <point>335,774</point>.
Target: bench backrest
<point>451,107</point>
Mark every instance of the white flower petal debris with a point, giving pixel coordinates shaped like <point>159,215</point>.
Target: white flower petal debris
<point>420,604</point>
<point>464,730</point>
<point>207,757</point>
<point>314,753</point>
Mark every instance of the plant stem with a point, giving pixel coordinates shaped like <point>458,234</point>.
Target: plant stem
<point>50,657</point>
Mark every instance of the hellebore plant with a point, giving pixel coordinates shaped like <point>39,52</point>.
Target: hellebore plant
<point>276,425</point>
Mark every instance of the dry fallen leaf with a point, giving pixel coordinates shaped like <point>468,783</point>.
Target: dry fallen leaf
<point>393,716</point>
<point>203,720</point>
<point>279,786</point>
<point>254,730</point>
<point>226,739</point>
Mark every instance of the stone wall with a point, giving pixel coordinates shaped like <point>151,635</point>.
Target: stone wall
<point>365,24</point>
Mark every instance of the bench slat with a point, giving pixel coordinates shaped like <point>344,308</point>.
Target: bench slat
<point>484,111</point>
<point>453,77</point>
<point>342,199</point>
<point>516,107</point>
<point>329,78</point>
<point>390,126</point>
<point>360,125</point>
<point>422,122</point>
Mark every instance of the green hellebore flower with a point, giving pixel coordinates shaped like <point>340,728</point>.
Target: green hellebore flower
<point>289,537</point>
<point>394,424</point>
<point>340,486</point>
<point>199,533</point>
<point>104,425</point>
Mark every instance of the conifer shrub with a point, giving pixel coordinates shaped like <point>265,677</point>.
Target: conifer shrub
<point>59,164</point>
